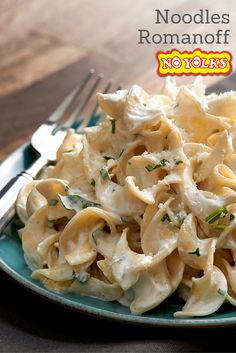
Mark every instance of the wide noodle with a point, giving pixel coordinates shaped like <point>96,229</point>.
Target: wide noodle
<point>142,205</point>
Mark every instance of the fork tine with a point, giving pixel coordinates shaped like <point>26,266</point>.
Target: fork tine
<point>100,76</point>
<point>69,100</point>
<point>73,119</point>
<point>85,122</point>
<point>108,86</point>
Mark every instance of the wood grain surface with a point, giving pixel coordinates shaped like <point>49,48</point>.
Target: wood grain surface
<point>47,46</point>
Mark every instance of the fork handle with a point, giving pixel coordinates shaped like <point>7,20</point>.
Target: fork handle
<point>10,191</point>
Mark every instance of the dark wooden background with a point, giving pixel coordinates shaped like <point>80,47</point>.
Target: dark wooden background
<point>46,47</point>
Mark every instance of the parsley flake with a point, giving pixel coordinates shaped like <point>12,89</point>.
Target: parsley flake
<point>97,233</point>
<point>165,218</point>
<point>221,292</point>
<point>232,216</point>
<point>214,216</point>
<point>178,162</point>
<point>149,167</point>
<point>104,173</point>
<point>113,126</point>
<point>161,164</point>
<point>76,202</point>
<point>195,252</point>
<point>107,158</point>
<point>220,227</point>
<point>121,152</point>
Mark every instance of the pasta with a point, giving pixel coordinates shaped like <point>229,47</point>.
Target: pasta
<point>142,205</point>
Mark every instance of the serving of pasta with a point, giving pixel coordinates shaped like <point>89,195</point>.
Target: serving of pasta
<point>142,205</point>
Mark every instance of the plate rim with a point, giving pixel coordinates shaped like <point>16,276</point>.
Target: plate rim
<point>113,316</point>
<point>198,322</point>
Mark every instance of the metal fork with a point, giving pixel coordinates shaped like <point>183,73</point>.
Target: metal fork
<point>48,137</point>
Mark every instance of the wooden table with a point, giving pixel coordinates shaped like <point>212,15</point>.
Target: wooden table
<point>46,47</point>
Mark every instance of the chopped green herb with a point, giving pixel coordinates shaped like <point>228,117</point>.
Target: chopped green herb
<point>93,182</point>
<point>161,164</point>
<point>121,152</point>
<point>96,234</point>
<point>82,277</point>
<point>178,162</point>
<point>165,218</point>
<point>220,227</point>
<point>221,292</point>
<point>195,252</point>
<point>77,202</point>
<point>52,202</point>
<point>107,158</point>
<point>113,126</point>
<point>232,216</point>
<point>104,173</point>
<point>149,167</point>
<point>145,104</point>
<point>94,239</point>
<point>214,216</point>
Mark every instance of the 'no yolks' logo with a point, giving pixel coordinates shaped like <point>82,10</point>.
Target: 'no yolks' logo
<point>193,63</point>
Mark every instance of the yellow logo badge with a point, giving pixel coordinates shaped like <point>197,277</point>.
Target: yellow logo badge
<point>196,62</point>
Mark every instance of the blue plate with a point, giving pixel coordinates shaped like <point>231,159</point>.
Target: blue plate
<point>12,262</point>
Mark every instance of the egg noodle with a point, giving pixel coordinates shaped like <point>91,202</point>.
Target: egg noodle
<point>142,205</point>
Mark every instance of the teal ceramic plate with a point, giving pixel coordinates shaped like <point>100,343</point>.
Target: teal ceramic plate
<point>12,262</point>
